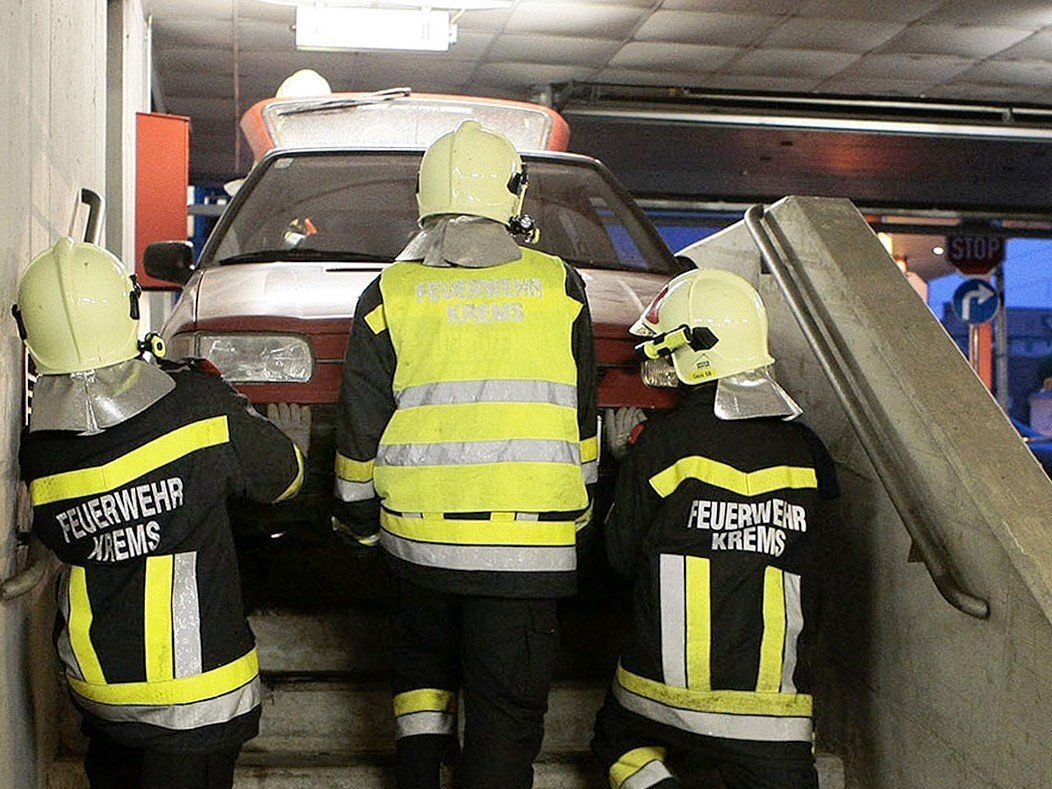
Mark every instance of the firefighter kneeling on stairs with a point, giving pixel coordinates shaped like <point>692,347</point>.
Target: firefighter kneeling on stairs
<point>715,519</point>
<point>130,467</point>
<point>467,447</point>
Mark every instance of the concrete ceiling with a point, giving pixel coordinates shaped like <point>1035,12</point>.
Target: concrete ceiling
<point>990,50</point>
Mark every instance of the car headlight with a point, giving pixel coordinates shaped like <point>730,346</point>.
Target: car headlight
<point>250,358</point>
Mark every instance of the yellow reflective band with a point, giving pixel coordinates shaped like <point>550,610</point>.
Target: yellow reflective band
<point>80,626</point>
<point>183,690</point>
<point>149,457</point>
<point>769,678</point>
<point>482,422</point>
<point>720,475</point>
<point>377,320</point>
<point>354,470</point>
<point>454,531</point>
<point>632,762</point>
<point>157,619</point>
<point>425,700</point>
<point>731,702</point>
<point>297,483</point>
<point>589,449</point>
<point>699,624</point>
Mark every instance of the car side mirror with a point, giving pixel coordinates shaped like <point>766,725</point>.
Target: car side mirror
<point>171,261</point>
<point>684,264</point>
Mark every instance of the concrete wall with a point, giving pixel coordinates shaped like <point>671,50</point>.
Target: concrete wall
<point>911,693</point>
<point>52,142</point>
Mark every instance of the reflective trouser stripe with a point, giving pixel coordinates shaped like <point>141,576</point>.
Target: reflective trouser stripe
<point>149,457</point>
<point>157,619</point>
<point>487,391</point>
<point>425,711</point>
<point>721,475</point>
<point>297,481</point>
<point>699,624</point>
<point>769,677</point>
<point>492,558</point>
<point>508,530</point>
<point>180,690</point>
<point>463,453</point>
<point>189,715</point>
<point>639,769</point>
<point>733,714</point>
<point>794,623</point>
<point>80,627</point>
<point>186,616</point>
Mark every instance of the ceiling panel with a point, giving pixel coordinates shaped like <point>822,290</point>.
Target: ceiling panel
<point>575,19</point>
<point>561,50</point>
<point>842,35</point>
<point>792,63</point>
<point>985,50</point>
<point>700,27</point>
<point>870,10</point>
<point>961,40</point>
<point>913,67</point>
<point>682,57</point>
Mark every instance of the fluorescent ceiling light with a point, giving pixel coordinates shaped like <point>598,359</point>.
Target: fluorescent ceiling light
<point>336,28</point>
<point>443,5</point>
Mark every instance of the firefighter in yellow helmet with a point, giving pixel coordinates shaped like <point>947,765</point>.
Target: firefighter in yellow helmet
<point>129,468</point>
<point>467,448</point>
<point>716,520</point>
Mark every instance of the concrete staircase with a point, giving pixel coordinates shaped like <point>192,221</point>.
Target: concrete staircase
<point>327,718</point>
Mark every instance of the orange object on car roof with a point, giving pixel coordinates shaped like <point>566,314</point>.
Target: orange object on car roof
<point>396,118</point>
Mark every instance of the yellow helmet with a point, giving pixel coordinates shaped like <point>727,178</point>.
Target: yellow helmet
<point>473,171</point>
<point>77,309</point>
<point>711,323</point>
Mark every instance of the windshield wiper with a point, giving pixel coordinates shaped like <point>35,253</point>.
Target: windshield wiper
<point>343,102</point>
<point>305,255</point>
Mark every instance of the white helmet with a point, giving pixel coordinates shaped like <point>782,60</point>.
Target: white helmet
<point>711,323</point>
<point>305,83</point>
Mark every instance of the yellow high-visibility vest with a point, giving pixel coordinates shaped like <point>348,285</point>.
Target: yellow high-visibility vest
<point>486,388</point>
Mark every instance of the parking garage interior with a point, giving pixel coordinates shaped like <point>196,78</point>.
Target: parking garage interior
<point>926,125</point>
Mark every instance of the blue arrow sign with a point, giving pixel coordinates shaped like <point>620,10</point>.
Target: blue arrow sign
<point>975,301</point>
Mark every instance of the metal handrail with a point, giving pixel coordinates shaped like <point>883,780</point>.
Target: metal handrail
<point>850,394</point>
<point>25,580</point>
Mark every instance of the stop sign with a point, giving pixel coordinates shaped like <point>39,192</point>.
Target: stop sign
<point>975,254</point>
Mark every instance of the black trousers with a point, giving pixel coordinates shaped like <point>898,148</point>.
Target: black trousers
<point>112,766</point>
<point>501,653</point>
<point>630,746</point>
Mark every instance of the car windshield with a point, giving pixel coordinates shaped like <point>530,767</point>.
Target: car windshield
<point>361,206</point>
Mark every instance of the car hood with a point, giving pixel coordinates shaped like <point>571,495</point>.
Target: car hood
<point>330,290</point>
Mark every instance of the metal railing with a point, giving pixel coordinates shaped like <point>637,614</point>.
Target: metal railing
<point>853,398</point>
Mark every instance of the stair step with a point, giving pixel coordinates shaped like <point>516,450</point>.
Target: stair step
<point>355,717</point>
<point>358,639</point>
<point>298,771</point>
